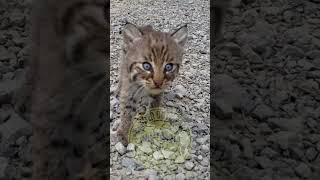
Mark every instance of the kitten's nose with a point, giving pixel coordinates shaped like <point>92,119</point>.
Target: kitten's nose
<point>157,83</point>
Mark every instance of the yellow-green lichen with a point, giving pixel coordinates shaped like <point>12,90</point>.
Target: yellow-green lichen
<point>162,139</point>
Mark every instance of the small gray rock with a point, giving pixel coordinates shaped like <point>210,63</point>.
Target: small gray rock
<point>268,152</point>
<point>231,47</point>
<point>153,177</point>
<point>120,148</point>
<point>303,170</point>
<point>130,154</point>
<point>318,146</point>
<point>180,176</point>
<point>130,147</point>
<point>190,1</point>
<point>145,147</point>
<point>167,154</point>
<point>3,167</point>
<point>202,140</point>
<point>311,154</point>
<point>264,128</point>
<point>116,177</point>
<point>157,155</point>
<point>190,175</point>
<point>21,140</point>
<point>15,127</point>
<point>205,162</point>
<point>235,151</point>
<point>199,158</point>
<point>129,163</point>
<point>5,97</point>
<point>292,51</point>
<point>314,54</point>
<point>282,138</point>
<point>205,148</point>
<point>6,55</point>
<point>4,114</point>
<point>263,111</point>
<point>247,148</point>
<point>170,177</point>
<point>180,91</point>
<point>115,124</point>
<point>149,172</point>
<point>295,124</point>
<point>223,110</point>
<point>264,162</point>
<point>189,165</point>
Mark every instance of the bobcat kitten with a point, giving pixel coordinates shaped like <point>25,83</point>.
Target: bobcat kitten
<point>151,60</point>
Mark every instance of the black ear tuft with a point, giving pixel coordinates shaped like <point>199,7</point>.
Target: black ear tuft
<point>180,35</point>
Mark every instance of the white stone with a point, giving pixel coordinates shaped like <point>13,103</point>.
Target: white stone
<point>131,147</point>
<point>157,155</point>
<point>167,154</point>
<point>189,165</point>
<point>120,148</point>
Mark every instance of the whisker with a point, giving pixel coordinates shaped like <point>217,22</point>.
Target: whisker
<point>138,91</point>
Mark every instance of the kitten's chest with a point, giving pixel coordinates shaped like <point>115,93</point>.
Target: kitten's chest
<point>136,95</point>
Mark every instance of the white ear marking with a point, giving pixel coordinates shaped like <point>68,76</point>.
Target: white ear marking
<point>131,32</point>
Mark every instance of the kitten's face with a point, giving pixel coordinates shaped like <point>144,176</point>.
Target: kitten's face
<point>155,66</point>
<point>153,58</point>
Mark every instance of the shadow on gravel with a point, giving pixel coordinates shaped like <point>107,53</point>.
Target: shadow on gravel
<point>265,103</point>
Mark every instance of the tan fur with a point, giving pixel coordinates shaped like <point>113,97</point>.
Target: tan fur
<point>141,88</point>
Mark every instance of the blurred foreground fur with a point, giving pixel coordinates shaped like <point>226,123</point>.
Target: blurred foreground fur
<point>67,88</point>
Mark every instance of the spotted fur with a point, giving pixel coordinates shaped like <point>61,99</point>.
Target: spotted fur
<point>141,88</point>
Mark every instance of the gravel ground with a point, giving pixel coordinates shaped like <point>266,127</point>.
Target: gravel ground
<point>190,92</point>
<point>15,130</point>
<point>267,76</point>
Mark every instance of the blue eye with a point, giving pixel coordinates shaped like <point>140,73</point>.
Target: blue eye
<point>168,67</point>
<point>147,66</point>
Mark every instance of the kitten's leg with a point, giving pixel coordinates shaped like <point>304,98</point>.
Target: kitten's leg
<point>132,103</point>
<point>128,109</point>
<point>127,113</point>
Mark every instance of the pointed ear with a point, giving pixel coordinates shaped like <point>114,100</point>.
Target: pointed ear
<point>180,35</point>
<point>130,33</point>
